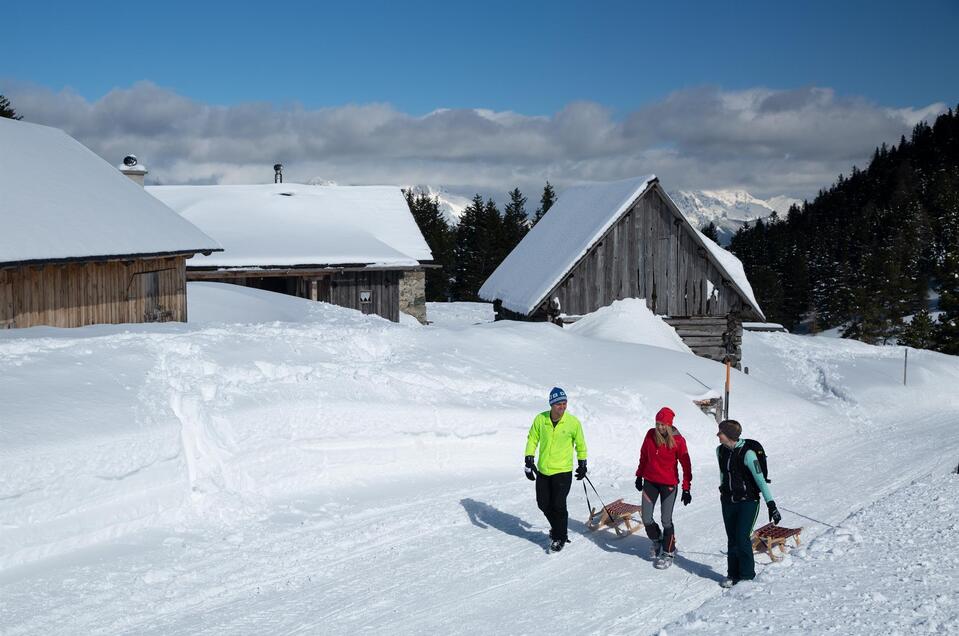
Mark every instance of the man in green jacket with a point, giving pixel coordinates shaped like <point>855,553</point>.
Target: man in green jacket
<point>555,432</point>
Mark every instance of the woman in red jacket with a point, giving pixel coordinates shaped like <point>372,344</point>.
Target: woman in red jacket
<point>657,478</point>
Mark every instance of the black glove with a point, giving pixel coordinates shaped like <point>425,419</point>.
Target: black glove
<point>639,484</point>
<point>581,470</point>
<point>530,469</point>
<point>687,498</point>
<point>774,515</point>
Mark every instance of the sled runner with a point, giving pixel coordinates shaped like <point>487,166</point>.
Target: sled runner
<point>620,513</point>
<point>770,536</point>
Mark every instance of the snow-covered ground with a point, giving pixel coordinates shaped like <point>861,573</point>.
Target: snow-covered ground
<point>320,471</point>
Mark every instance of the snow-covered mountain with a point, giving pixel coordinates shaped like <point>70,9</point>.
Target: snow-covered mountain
<point>728,209</point>
<point>451,205</point>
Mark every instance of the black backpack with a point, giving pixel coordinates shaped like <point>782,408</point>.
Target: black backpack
<point>756,447</point>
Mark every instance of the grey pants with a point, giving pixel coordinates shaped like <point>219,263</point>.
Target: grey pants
<point>667,494</point>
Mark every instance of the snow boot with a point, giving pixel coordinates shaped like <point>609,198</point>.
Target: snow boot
<point>556,545</point>
<point>727,583</point>
<point>664,561</point>
<point>655,549</point>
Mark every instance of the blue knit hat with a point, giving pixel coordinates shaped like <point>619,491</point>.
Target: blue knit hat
<point>556,395</point>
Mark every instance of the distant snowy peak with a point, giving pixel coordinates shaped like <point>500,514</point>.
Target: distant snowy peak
<point>728,209</point>
<point>451,205</point>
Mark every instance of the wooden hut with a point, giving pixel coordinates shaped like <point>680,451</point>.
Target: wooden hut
<point>602,242</point>
<point>353,246</point>
<point>79,242</point>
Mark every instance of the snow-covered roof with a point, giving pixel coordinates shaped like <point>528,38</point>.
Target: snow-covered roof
<point>82,208</point>
<point>580,216</point>
<point>296,225</point>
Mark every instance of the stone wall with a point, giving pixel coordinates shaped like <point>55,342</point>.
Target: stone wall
<point>413,295</point>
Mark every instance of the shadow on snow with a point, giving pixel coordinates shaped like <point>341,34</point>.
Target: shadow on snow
<point>483,515</point>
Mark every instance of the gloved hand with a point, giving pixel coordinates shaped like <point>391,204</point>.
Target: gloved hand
<point>774,515</point>
<point>581,470</point>
<point>530,468</point>
<point>639,484</point>
<point>687,498</point>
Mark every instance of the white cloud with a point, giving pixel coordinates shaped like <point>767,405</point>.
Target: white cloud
<point>771,142</point>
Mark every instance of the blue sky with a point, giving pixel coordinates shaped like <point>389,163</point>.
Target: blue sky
<point>527,57</point>
<point>774,97</point>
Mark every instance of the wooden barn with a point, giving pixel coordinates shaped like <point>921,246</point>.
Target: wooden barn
<point>602,242</point>
<point>353,246</point>
<point>79,242</point>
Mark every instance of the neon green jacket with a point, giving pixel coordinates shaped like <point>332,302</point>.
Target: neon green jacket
<point>556,444</point>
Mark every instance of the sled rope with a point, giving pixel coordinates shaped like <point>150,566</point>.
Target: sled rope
<point>597,496</point>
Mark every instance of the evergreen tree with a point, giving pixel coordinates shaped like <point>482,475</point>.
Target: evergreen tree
<point>515,221</point>
<point>545,202</point>
<point>711,232</point>
<point>918,333</point>
<point>6,110</point>
<point>865,251</point>
<point>439,237</point>
<point>478,247</point>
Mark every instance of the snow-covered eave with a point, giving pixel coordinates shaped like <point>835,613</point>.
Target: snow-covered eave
<point>308,267</point>
<point>206,251</point>
<point>728,278</point>
<point>600,234</point>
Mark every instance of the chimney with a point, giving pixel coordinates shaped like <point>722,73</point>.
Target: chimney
<point>277,173</point>
<point>131,168</point>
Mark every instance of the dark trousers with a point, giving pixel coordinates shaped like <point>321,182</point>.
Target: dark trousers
<point>551,492</point>
<point>739,519</point>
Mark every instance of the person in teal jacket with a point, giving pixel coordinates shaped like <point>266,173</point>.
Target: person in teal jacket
<point>555,433</point>
<point>741,483</point>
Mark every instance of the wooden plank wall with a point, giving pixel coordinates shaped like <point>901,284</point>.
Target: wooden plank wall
<point>647,254</point>
<point>85,293</point>
<point>385,285</point>
<point>713,337</point>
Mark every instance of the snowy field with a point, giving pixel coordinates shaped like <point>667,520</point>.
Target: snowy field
<point>281,466</point>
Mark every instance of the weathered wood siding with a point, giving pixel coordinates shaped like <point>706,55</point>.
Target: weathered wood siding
<point>649,254</point>
<point>339,288</point>
<point>85,293</point>
<point>716,338</point>
<point>384,286</point>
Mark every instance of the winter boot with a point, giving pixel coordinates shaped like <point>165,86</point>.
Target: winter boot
<point>664,561</point>
<point>655,549</point>
<point>727,583</point>
<point>656,537</point>
<point>556,545</point>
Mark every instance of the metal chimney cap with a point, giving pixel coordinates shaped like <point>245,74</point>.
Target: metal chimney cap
<point>277,167</point>
<point>130,161</point>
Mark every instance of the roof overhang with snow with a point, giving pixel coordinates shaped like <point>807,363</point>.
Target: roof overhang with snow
<point>82,210</point>
<point>581,216</point>
<point>291,225</point>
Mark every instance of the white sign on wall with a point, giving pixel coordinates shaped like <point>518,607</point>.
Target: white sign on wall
<point>366,296</point>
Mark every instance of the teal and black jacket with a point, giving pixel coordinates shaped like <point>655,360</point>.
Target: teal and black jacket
<point>741,478</point>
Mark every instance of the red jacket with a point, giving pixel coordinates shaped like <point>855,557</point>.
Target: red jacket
<point>658,463</point>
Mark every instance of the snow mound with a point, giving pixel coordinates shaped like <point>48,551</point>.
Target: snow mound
<point>629,320</point>
<point>233,304</point>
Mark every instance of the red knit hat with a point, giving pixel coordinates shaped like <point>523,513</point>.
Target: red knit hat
<point>665,416</point>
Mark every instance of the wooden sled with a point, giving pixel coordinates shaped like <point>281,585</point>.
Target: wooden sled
<point>620,514</point>
<point>771,536</point>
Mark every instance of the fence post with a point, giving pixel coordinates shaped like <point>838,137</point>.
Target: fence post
<point>905,366</point>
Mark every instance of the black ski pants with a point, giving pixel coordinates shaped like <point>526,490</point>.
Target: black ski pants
<point>551,493</point>
<point>739,519</point>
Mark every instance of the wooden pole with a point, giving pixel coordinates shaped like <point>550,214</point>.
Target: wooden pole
<point>726,401</point>
<point>905,366</point>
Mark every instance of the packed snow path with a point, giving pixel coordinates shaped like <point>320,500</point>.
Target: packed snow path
<point>351,475</point>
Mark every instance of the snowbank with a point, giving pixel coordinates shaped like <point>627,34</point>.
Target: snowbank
<point>629,320</point>
<point>233,478</point>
